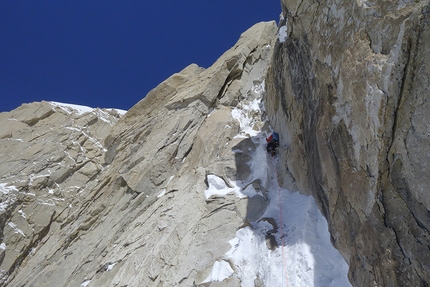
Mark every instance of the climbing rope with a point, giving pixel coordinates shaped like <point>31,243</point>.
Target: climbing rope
<point>284,258</point>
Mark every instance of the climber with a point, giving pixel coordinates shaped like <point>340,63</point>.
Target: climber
<point>272,143</point>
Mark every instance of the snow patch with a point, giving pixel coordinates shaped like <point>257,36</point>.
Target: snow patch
<point>70,108</point>
<point>220,271</point>
<point>22,214</point>
<point>217,186</point>
<point>162,193</point>
<point>80,110</point>
<point>283,33</point>
<point>245,114</point>
<point>110,266</point>
<point>6,197</point>
<point>3,246</point>
<point>5,189</point>
<point>85,283</point>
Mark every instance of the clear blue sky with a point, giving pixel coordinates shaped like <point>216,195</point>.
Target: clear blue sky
<point>105,53</point>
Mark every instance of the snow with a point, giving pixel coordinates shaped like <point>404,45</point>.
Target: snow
<point>303,254</point>
<point>164,190</point>
<point>110,266</point>
<point>121,112</point>
<point>283,30</point>
<point>6,197</point>
<point>5,188</point>
<point>80,110</point>
<point>162,193</point>
<point>283,33</point>
<point>3,246</point>
<point>85,283</point>
<point>22,214</point>
<point>245,114</point>
<point>220,271</point>
<point>217,186</point>
<point>17,230</point>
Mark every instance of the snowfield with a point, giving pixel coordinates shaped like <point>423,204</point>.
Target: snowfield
<point>303,254</point>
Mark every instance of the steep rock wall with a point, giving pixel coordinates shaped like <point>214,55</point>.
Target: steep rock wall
<point>144,220</point>
<point>348,90</point>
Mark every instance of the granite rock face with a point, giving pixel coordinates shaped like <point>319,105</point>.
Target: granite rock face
<point>120,202</point>
<point>51,156</point>
<point>348,90</point>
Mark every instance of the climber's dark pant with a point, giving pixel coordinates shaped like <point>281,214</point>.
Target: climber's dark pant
<point>272,145</point>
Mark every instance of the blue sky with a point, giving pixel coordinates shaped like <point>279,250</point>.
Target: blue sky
<point>108,53</point>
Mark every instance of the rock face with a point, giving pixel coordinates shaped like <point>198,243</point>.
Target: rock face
<point>93,198</point>
<point>51,157</point>
<point>348,89</point>
<point>93,202</point>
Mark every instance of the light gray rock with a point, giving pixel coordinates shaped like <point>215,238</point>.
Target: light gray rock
<point>348,91</point>
<point>142,218</point>
<point>51,156</point>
